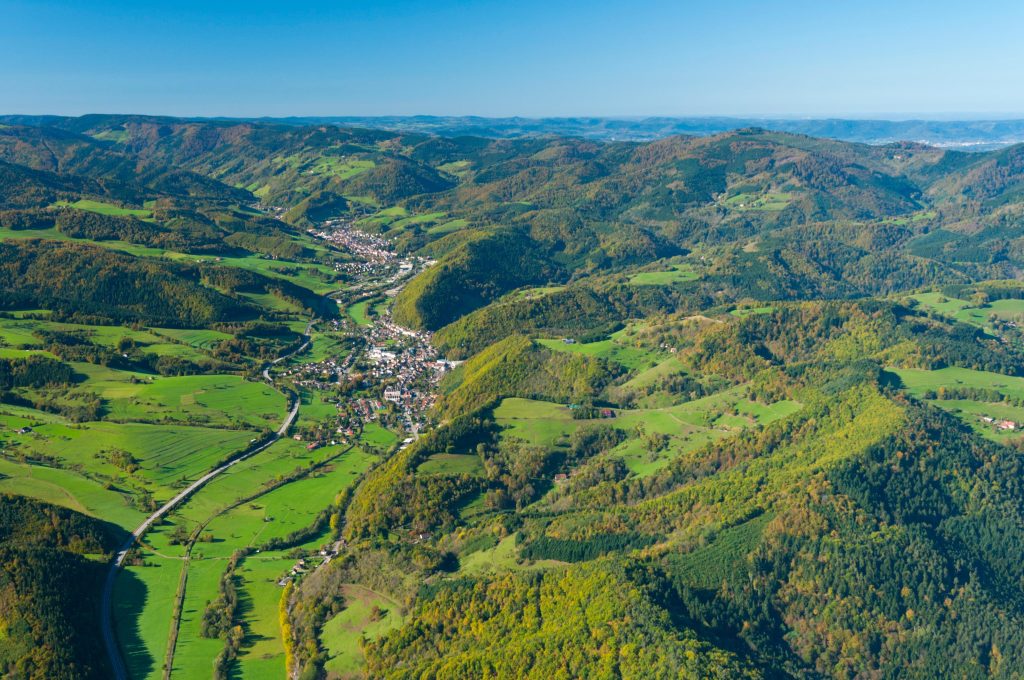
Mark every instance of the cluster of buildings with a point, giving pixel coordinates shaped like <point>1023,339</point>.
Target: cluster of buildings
<point>372,248</point>
<point>406,364</point>
<point>1001,424</point>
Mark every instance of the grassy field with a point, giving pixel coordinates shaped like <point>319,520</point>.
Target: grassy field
<point>104,208</point>
<point>22,333</point>
<point>970,411</point>
<point>677,273</point>
<point>919,380</point>
<point>214,400</point>
<point>620,347</point>
<point>143,600</point>
<point>165,454</point>
<point>769,201</point>
<point>448,227</point>
<point>375,435</point>
<point>358,313</point>
<point>689,425</point>
<point>452,464</point>
<point>261,656</point>
<point>367,614</point>
<point>275,514</point>
<point>970,312</point>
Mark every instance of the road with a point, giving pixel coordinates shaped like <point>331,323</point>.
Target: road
<point>107,613</point>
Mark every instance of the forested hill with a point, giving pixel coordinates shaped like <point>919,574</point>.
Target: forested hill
<point>50,583</point>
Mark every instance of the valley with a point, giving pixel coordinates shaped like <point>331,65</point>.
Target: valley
<point>327,402</point>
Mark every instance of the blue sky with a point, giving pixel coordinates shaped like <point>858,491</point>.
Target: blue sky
<point>532,58</point>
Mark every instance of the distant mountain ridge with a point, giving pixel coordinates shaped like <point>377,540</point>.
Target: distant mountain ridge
<point>980,135</point>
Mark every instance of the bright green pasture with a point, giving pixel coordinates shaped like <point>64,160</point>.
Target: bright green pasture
<point>618,348</point>
<point>767,202</point>
<point>262,654</point>
<point>358,313</point>
<point>919,380</point>
<point>689,425</point>
<point>20,333</point>
<point>452,464</point>
<point>105,208</point>
<point>940,303</point>
<point>376,435</point>
<point>325,346</point>
<point>341,635</point>
<point>69,489</point>
<point>971,412</point>
<point>534,293</point>
<point>275,514</point>
<point>166,454</point>
<point>193,653</point>
<point>143,601</point>
<point>195,337</point>
<point>218,400</point>
<point>448,227</point>
<point>285,509</point>
<point>971,313</point>
<point>677,273</point>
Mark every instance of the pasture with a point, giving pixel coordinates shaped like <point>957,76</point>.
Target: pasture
<point>275,514</point>
<point>919,382</point>
<point>677,273</point>
<point>105,208</point>
<point>212,400</point>
<point>451,464</point>
<point>358,313</point>
<point>367,614</point>
<point>617,348</point>
<point>689,425</point>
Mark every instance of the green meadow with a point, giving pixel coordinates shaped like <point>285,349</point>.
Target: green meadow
<point>274,514</point>
<point>970,411</point>
<point>689,425</point>
<point>677,273</point>
<point>358,313</point>
<point>105,208</point>
<point>620,347</point>
<point>367,614</point>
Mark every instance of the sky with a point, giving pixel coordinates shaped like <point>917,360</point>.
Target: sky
<point>788,58</point>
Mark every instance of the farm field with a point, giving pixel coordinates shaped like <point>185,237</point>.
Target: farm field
<point>143,598</point>
<point>22,332</point>
<point>920,383</point>
<point>105,208</point>
<point>918,380</point>
<point>261,656</point>
<point>220,400</point>
<point>767,201</point>
<point>502,557</point>
<point>970,312</point>
<point>275,514</point>
<point>678,273</point>
<point>451,464</point>
<point>164,454</point>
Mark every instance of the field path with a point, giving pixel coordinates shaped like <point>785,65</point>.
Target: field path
<point>106,606</point>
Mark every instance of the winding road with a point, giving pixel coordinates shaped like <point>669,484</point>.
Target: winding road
<point>117,663</point>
